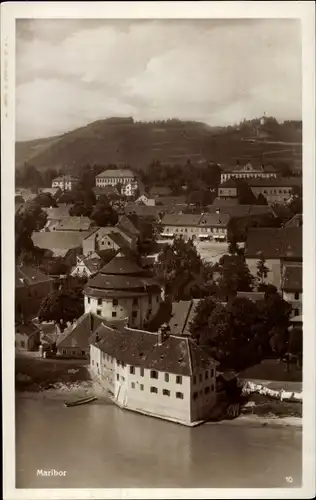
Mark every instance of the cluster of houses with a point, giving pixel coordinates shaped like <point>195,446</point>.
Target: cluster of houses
<point>158,371</point>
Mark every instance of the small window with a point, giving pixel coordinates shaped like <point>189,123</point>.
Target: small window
<point>194,379</point>
<point>99,302</point>
<point>123,364</point>
<point>141,372</point>
<point>134,314</point>
<point>113,314</point>
<point>178,379</point>
<point>114,302</point>
<point>133,385</point>
<point>132,370</point>
<point>206,390</point>
<point>99,312</point>
<point>296,312</point>
<point>296,295</point>
<point>200,377</point>
<point>195,395</point>
<point>149,300</point>
<point>135,301</point>
<point>154,390</point>
<point>166,377</point>
<point>83,353</point>
<point>88,300</point>
<point>165,392</point>
<point>153,374</point>
<point>206,375</point>
<point>179,395</point>
<point>141,387</point>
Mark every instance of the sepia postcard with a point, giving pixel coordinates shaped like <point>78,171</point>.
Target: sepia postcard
<point>158,249</point>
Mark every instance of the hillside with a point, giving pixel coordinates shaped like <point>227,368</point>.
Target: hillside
<point>123,141</point>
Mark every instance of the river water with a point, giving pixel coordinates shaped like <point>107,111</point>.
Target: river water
<point>102,446</point>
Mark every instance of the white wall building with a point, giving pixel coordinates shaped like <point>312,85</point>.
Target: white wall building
<point>249,172</point>
<point>158,374</point>
<point>121,290</point>
<point>65,182</point>
<point>125,177</point>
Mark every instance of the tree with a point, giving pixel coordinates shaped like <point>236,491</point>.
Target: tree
<point>80,209</point>
<point>199,326</point>
<point>234,275</point>
<point>104,215</point>
<point>62,306</point>
<point>262,271</point>
<point>28,176</point>
<point>31,218</point>
<point>295,344</point>
<point>177,264</point>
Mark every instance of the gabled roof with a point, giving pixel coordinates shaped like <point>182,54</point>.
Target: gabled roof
<point>274,243</point>
<point>59,240</point>
<point>28,276</point>
<point>126,225</point>
<point>120,173</point>
<point>28,329</point>
<point>295,221</point>
<point>292,278</point>
<point>178,355</point>
<point>183,313</point>
<point>79,333</point>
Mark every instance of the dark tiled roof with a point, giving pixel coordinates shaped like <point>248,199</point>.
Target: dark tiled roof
<point>240,210</point>
<point>231,183</point>
<point>122,266</point>
<point>180,312</point>
<point>283,182</point>
<point>181,220</point>
<point>126,225</point>
<point>118,239</point>
<point>28,329</point>
<point>160,191</point>
<point>79,333</point>
<point>27,275</point>
<point>170,200</point>
<point>274,243</point>
<point>296,221</point>
<point>215,220</point>
<point>178,355</point>
<point>292,278</point>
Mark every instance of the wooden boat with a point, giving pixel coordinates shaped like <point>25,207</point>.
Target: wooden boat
<point>81,401</point>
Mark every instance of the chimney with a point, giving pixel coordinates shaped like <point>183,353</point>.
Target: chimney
<point>218,211</point>
<point>163,333</point>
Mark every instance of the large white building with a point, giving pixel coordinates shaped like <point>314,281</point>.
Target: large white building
<point>249,172</point>
<point>158,374</point>
<point>125,177</point>
<point>123,291</point>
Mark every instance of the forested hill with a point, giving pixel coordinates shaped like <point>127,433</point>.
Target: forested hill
<point>123,141</point>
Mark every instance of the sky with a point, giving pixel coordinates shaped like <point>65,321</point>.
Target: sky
<point>73,72</point>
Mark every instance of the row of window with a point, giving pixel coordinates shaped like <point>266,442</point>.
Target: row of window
<point>277,191</point>
<point>125,180</point>
<point>135,301</point>
<point>196,230</point>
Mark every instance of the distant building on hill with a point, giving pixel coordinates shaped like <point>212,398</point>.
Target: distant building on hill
<point>249,172</point>
<point>65,182</point>
<point>124,177</point>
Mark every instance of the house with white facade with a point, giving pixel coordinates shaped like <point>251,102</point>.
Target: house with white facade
<point>113,177</point>
<point>212,226</point>
<point>86,266</point>
<point>65,182</point>
<point>158,374</point>
<point>122,290</point>
<point>248,171</point>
